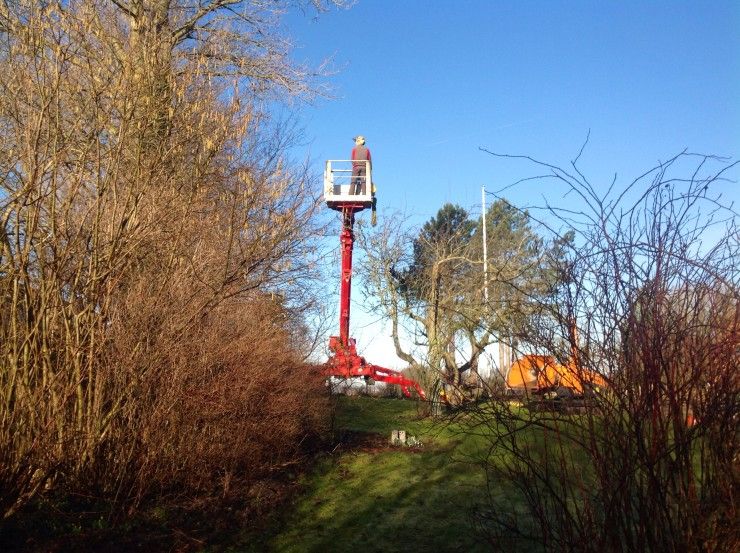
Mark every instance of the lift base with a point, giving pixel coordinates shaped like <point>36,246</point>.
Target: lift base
<point>345,363</point>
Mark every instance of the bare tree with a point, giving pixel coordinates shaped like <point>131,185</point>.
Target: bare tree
<point>652,286</point>
<point>430,284</point>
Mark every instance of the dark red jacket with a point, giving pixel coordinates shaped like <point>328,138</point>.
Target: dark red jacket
<point>361,153</point>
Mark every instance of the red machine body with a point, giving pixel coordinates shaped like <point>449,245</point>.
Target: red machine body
<point>344,361</point>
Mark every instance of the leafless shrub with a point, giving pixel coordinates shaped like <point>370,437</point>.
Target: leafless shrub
<point>650,462</point>
<point>225,406</point>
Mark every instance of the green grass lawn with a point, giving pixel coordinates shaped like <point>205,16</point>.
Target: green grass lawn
<point>364,495</point>
<point>369,496</point>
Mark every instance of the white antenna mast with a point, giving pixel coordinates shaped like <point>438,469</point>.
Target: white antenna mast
<point>485,248</point>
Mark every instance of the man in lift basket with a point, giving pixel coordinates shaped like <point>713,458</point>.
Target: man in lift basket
<point>360,154</point>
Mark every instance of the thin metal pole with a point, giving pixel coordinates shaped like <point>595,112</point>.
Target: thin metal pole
<point>485,248</point>
<point>485,254</point>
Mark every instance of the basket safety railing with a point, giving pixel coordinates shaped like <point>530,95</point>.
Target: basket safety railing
<point>345,180</point>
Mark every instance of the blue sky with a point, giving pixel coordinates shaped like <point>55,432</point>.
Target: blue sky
<point>429,82</point>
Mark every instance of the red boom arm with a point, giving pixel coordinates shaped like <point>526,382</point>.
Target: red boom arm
<point>344,361</point>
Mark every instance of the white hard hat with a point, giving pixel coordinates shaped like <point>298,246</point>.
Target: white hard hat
<point>359,139</point>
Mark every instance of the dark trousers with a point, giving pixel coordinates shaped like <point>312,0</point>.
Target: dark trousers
<point>358,180</point>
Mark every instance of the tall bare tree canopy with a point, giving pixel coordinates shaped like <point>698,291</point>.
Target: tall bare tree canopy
<point>155,243</point>
<point>227,37</point>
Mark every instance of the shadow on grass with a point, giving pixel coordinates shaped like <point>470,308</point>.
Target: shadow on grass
<point>365,495</point>
<point>369,496</point>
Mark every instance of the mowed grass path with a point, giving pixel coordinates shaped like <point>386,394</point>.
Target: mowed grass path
<point>369,496</point>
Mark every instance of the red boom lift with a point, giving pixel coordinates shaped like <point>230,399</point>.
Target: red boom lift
<point>344,362</point>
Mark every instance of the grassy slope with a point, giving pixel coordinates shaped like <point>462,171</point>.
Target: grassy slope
<point>371,497</point>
